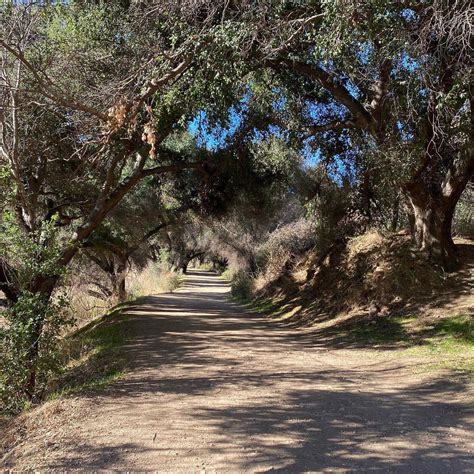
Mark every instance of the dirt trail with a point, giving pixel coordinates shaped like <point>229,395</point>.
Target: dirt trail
<point>214,389</point>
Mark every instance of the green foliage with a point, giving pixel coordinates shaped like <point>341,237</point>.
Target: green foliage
<point>88,66</point>
<point>7,189</point>
<point>32,253</point>
<point>328,209</point>
<point>225,275</point>
<point>275,156</point>
<point>75,27</point>
<point>241,286</point>
<point>164,259</point>
<point>30,344</point>
<point>168,280</point>
<point>30,337</point>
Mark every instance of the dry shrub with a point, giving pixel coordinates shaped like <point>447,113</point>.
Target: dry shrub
<point>377,273</point>
<point>84,306</point>
<point>87,302</point>
<point>242,286</point>
<point>153,279</point>
<point>283,245</point>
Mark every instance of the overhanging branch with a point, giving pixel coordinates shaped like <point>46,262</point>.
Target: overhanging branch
<point>362,118</point>
<point>49,89</point>
<point>156,170</point>
<point>336,125</point>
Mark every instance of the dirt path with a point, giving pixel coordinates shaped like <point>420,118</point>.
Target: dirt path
<point>216,390</point>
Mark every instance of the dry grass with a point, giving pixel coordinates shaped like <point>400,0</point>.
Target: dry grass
<point>84,306</point>
<point>47,425</point>
<point>373,277</point>
<point>153,279</point>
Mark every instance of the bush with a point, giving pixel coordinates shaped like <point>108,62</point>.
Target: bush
<point>242,286</point>
<point>30,338</point>
<point>154,278</point>
<point>291,239</point>
<point>30,344</point>
<point>169,281</point>
<point>227,274</point>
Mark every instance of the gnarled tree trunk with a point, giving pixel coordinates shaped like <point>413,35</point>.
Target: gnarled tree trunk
<point>117,273</point>
<point>431,228</point>
<point>432,212</point>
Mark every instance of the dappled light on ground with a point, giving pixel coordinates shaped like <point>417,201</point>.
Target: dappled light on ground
<point>212,388</point>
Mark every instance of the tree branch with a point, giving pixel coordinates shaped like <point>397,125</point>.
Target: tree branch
<point>49,89</point>
<point>362,118</point>
<point>336,125</point>
<point>171,168</point>
<point>154,85</point>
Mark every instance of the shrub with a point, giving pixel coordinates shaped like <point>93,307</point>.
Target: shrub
<point>30,337</point>
<point>154,278</point>
<point>241,286</point>
<point>227,274</point>
<point>28,351</point>
<point>169,281</point>
<point>291,239</point>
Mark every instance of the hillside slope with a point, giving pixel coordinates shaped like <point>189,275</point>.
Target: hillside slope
<point>377,291</point>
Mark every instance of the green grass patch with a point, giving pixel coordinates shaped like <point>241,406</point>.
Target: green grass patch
<point>450,343</point>
<point>94,355</point>
<point>96,383</point>
<point>459,330</point>
<point>444,344</point>
<point>387,330</point>
<point>266,306</point>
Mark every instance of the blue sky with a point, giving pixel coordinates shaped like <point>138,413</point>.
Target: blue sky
<point>216,136</point>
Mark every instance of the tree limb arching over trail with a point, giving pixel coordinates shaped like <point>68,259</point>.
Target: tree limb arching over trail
<point>318,154</point>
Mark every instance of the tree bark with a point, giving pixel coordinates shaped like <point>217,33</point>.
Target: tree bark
<point>118,279</point>
<point>121,288</point>
<point>431,221</point>
<point>7,282</point>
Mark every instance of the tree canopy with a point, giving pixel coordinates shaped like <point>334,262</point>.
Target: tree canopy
<point>202,127</point>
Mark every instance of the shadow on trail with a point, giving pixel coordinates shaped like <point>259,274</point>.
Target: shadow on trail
<point>339,430</point>
<point>309,417</point>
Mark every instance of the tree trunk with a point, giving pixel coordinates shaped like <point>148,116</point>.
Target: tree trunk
<point>430,222</point>
<point>45,289</point>
<point>395,215</point>
<point>122,290</point>
<point>118,281</point>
